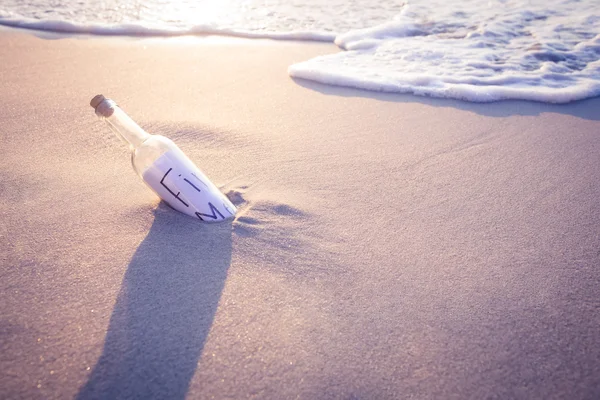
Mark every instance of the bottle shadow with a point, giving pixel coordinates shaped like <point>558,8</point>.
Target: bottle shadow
<point>164,311</point>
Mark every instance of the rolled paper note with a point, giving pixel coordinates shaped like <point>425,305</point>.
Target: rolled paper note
<point>182,185</point>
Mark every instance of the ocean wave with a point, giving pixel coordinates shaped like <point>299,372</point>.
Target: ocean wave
<point>476,51</point>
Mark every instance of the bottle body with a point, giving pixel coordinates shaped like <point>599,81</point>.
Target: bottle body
<point>165,169</point>
<point>169,173</point>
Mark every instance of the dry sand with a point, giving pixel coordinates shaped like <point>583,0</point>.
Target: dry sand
<point>388,247</point>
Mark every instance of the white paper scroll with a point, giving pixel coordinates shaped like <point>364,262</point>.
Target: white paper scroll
<point>184,187</point>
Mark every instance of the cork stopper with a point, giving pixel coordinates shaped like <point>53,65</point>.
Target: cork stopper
<point>104,107</point>
<point>99,98</point>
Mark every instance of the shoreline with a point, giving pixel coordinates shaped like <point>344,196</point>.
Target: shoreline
<point>223,38</point>
<point>142,31</point>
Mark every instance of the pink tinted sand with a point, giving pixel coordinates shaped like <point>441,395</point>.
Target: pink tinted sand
<point>386,247</point>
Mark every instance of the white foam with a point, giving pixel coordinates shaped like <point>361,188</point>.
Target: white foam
<point>320,20</point>
<point>473,50</point>
<point>146,29</point>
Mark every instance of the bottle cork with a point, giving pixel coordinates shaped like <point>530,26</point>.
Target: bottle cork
<point>103,108</point>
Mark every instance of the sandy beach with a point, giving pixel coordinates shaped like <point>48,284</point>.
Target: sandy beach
<point>387,246</point>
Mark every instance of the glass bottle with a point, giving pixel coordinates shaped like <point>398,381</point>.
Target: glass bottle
<point>165,168</point>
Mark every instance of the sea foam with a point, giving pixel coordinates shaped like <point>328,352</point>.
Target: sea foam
<point>149,29</point>
<point>472,50</point>
<point>320,20</point>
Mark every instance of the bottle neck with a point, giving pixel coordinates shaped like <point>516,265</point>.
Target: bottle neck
<point>126,128</point>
